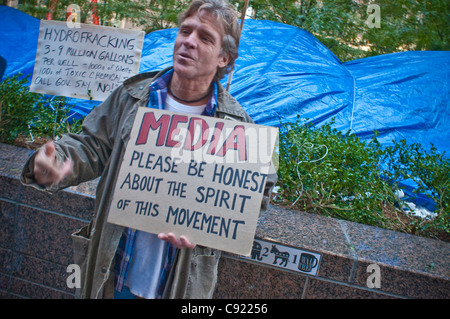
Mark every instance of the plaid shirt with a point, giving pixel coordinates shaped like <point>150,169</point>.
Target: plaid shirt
<point>157,99</point>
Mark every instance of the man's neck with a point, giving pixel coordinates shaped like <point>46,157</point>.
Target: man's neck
<point>190,90</point>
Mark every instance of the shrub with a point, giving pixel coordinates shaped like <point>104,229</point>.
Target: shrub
<point>324,171</point>
<point>32,115</point>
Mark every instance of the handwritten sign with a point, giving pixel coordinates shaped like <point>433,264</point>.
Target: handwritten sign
<point>86,62</point>
<point>196,176</point>
<point>285,257</point>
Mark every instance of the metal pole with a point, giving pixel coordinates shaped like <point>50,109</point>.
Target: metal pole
<point>244,11</point>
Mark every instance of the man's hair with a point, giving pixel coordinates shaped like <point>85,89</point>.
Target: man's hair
<point>226,14</point>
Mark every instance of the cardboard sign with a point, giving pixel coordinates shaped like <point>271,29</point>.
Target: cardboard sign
<point>87,62</point>
<point>196,176</point>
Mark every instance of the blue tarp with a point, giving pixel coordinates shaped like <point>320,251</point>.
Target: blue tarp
<point>18,36</point>
<point>283,72</point>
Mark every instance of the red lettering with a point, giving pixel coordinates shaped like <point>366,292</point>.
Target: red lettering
<point>167,127</point>
<point>204,129</point>
<point>235,141</point>
<point>149,122</point>
<point>174,130</point>
<point>215,138</point>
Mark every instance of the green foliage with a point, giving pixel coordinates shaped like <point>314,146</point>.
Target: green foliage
<point>324,171</point>
<point>344,26</point>
<point>410,25</point>
<point>23,113</point>
<point>163,14</point>
<point>16,107</point>
<point>430,170</point>
<point>146,15</point>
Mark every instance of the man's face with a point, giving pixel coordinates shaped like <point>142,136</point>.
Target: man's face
<point>198,47</point>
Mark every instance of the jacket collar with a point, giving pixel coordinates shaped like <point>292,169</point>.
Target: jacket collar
<point>138,87</point>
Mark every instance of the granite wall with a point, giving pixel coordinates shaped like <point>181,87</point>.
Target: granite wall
<point>296,254</point>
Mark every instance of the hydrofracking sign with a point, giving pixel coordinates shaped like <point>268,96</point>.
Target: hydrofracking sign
<point>88,62</point>
<point>197,176</point>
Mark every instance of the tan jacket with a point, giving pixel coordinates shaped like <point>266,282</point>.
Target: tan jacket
<point>98,151</point>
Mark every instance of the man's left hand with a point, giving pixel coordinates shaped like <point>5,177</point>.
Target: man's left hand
<point>181,243</point>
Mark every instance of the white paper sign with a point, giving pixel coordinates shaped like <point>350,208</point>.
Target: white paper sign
<point>87,62</point>
<point>285,257</point>
<point>197,176</point>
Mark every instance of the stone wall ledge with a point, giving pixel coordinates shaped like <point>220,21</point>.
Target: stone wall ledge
<point>35,250</point>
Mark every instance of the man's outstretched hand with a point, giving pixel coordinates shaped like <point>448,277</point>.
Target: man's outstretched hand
<point>183,242</point>
<point>48,170</point>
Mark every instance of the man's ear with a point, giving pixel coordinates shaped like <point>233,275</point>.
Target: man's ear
<point>224,59</point>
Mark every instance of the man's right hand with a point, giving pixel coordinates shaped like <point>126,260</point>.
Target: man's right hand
<point>48,170</point>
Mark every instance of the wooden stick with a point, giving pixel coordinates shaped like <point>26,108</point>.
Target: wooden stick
<point>244,12</point>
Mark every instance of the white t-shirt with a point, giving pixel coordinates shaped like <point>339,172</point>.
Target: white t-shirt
<point>149,251</point>
<point>172,105</point>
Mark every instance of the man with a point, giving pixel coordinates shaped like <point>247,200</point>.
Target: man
<point>112,256</point>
